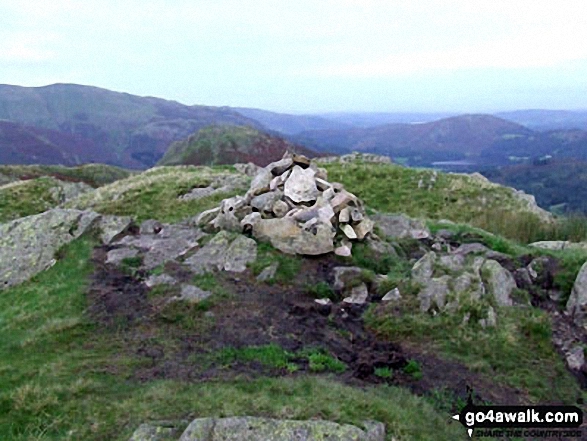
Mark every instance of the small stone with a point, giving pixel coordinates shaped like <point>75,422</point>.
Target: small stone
<point>343,251</point>
<point>191,294</point>
<point>161,279</point>
<point>393,295</point>
<point>576,358</point>
<point>324,302</point>
<point>280,208</point>
<point>358,295</point>
<point>268,272</point>
<point>356,215</point>
<point>344,216</point>
<point>150,226</point>
<point>301,160</point>
<point>322,184</point>
<point>279,167</point>
<point>363,228</point>
<point>348,231</point>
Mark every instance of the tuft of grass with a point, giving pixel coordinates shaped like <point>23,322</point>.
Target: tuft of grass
<point>288,266</point>
<point>413,369</point>
<point>321,290</point>
<point>270,355</point>
<point>321,361</point>
<point>384,372</point>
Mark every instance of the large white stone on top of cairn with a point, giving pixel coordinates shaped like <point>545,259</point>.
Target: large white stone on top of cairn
<point>301,185</point>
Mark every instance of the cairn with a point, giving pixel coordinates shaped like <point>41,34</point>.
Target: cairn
<point>292,205</point>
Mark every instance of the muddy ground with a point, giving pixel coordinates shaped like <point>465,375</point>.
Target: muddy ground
<point>169,345</point>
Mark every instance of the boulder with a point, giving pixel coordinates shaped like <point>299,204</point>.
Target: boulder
<point>288,236</point>
<point>265,429</point>
<point>28,245</point>
<point>499,281</point>
<point>424,268</point>
<point>577,303</point>
<point>113,227</point>
<point>400,226</point>
<point>224,252</point>
<point>434,293</point>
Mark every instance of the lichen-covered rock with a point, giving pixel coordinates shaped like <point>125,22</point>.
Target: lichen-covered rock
<point>400,226</point>
<point>28,245</point>
<point>301,186</point>
<point>434,294</point>
<point>424,268</point>
<point>265,429</point>
<point>289,237</point>
<point>224,252</point>
<point>150,432</point>
<point>577,303</point>
<point>112,227</point>
<point>499,281</point>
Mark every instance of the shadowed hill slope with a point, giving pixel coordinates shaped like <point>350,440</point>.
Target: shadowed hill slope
<point>217,145</point>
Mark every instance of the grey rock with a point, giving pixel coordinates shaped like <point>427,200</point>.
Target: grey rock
<point>575,357</point>
<point>28,245</point>
<point>471,248</point>
<point>301,186</point>
<point>424,268</point>
<point>287,236</point>
<point>268,272</point>
<point>241,252</point>
<point>401,226</point>
<point>150,226</point>
<point>471,283</point>
<point>205,217</point>
<point>323,302</point>
<point>551,244</point>
<point>172,242</point>
<point>434,293</point>
<point>261,181</point>
<point>348,231</point>
<point>363,228</point>
<point>223,253</point>
<point>358,295</point>
<point>345,215</point>
<point>499,281</point>
<point>265,429</point>
<point>113,227</point>
<point>150,432</point>
<point>454,262</point>
<point>161,279</point>
<point>577,303</point>
<point>344,250</point>
<point>280,208</point>
<point>265,201</point>
<point>345,276</point>
<point>191,294</point>
<point>117,255</point>
<point>280,167</point>
<point>490,321</point>
<point>393,295</point>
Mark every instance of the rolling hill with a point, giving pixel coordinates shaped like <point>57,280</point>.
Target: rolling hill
<point>457,138</point>
<point>215,145</point>
<point>128,131</point>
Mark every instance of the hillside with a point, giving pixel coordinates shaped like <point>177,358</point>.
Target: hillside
<point>127,130</point>
<point>464,137</point>
<point>139,327</point>
<point>216,145</point>
<point>559,185</point>
<point>542,119</point>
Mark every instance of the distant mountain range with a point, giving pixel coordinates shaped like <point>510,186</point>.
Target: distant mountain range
<point>71,124</point>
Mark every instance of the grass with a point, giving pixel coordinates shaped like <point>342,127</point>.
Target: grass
<point>24,198</point>
<point>62,379</point>
<point>288,266</point>
<point>322,290</point>
<point>413,368</point>
<point>155,194</point>
<point>509,353</point>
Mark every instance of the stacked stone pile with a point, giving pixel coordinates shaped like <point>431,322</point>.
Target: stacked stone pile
<point>292,205</point>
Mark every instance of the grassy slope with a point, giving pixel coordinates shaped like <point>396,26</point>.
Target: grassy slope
<point>33,188</point>
<point>54,381</point>
<point>154,194</point>
<point>457,197</point>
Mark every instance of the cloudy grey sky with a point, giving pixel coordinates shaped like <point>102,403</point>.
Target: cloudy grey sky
<point>307,55</point>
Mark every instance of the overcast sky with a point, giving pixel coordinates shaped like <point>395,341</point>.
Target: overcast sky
<point>307,55</point>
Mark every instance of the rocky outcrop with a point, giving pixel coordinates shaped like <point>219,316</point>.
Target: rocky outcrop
<point>355,157</point>
<point>28,245</point>
<point>291,205</point>
<point>263,429</point>
<point>577,303</point>
<point>224,252</point>
<point>401,226</point>
<point>500,282</point>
